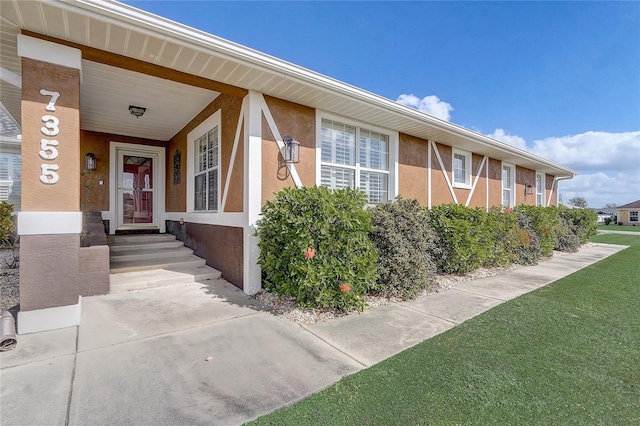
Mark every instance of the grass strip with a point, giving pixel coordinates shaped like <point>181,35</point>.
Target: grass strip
<point>566,353</point>
<point>629,228</point>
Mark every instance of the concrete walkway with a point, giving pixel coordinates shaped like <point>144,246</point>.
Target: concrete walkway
<point>205,353</point>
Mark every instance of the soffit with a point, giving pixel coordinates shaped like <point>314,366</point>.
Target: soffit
<point>124,30</point>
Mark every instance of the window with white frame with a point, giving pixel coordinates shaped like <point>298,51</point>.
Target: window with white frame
<point>508,185</point>
<point>206,171</point>
<point>355,157</point>
<point>540,189</point>
<point>10,179</point>
<point>461,165</point>
<point>633,216</point>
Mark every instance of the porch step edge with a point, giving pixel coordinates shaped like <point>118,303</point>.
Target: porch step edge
<point>149,264</point>
<point>150,253</point>
<point>162,277</point>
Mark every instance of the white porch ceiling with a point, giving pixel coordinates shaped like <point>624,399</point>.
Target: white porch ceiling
<point>124,30</point>
<point>106,93</point>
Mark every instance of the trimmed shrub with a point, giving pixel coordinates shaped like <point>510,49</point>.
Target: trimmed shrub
<point>566,239</point>
<point>7,224</point>
<point>404,244</point>
<point>502,236</point>
<point>462,247</point>
<point>315,246</point>
<point>582,222</point>
<point>527,241</point>
<point>542,221</point>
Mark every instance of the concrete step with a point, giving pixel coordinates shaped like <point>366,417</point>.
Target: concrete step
<point>149,252</point>
<point>119,248</point>
<point>152,263</point>
<point>119,240</point>
<point>140,280</point>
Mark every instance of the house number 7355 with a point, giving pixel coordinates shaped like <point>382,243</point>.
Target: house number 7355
<point>48,147</point>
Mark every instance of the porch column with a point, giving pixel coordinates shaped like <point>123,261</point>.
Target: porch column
<point>252,274</point>
<point>50,221</point>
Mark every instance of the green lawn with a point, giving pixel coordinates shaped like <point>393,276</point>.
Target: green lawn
<point>613,227</point>
<point>568,353</point>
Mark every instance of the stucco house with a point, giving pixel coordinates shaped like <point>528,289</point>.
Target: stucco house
<point>628,213</point>
<point>187,134</point>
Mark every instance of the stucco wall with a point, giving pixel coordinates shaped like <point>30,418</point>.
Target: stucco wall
<point>176,200</point>
<point>63,195</point>
<point>525,177</point>
<point>412,168</point>
<point>298,122</point>
<point>94,196</point>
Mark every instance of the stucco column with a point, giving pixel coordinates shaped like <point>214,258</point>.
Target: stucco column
<point>50,221</point>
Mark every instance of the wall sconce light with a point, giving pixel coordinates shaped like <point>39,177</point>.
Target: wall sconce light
<point>137,111</point>
<point>528,190</point>
<point>291,150</point>
<point>90,161</point>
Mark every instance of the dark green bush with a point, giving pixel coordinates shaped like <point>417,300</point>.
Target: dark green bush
<point>529,250</point>
<point>582,222</point>
<point>502,238</point>
<point>7,223</point>
<point>542,221</point>
<point>404,244</point>
<point>461,240</point>
<point>566,238</point>
<point>315,247</point>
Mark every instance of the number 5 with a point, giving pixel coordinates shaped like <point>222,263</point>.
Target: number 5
<point>49,176</point>
<point>48,150</point>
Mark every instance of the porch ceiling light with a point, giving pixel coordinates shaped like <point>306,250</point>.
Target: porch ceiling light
<point>291,150</point>
<point>90,161</point>
<point>137,111</point>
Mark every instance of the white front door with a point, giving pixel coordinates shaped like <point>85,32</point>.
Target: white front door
<point>137,175</point>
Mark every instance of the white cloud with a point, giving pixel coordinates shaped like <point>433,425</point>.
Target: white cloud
<point>608,163</point>
<point>430,104</point>
<point>593,151</point>
<point>502,136</point>
<point>600,189</point>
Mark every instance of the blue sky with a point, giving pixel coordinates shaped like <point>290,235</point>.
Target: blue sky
<point>560,79</point>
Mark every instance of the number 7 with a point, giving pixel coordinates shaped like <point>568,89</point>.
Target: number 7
<point>51,106</point>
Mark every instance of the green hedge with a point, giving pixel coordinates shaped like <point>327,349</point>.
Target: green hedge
<point>315,246</point>
<point>404,243</point>
<point>7,224</point>
<point>327,250</point>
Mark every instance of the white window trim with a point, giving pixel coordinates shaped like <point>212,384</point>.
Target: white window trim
<point>637,216</point>
<point>394,138</point>
<point>210,123</point>
<point>467,172</point>
<point>543,180</point>
<point>512,195</point>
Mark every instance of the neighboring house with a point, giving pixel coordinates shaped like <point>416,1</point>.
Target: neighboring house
<point>628,214</point>
<point>187,130</point>
<point>10,161</point>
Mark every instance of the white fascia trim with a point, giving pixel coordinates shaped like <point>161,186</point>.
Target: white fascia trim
<point>49,318</point>
<point>155,25</point>
<point>49,223</point>
<point>10,77</point>
<point>46,51</point>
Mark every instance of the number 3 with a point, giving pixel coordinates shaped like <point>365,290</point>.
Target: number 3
<point>51,125</point>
